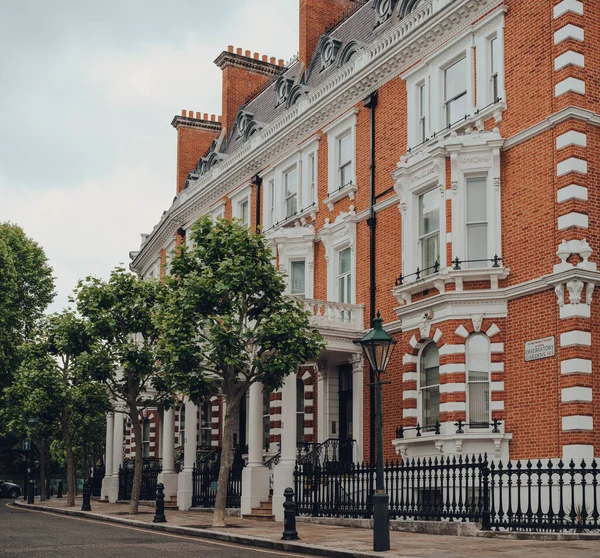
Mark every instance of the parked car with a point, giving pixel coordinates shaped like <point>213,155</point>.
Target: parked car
<point>9,490</point>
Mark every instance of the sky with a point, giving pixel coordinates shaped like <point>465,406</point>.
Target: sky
<point>87,94</point>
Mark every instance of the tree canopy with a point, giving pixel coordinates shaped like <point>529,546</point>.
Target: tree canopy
<point>26,289</point>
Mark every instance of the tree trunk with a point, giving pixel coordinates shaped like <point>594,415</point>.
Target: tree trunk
<point>70,459</point>
<point>231,410</point>
<point>137,477</point>
<point>43,444</point>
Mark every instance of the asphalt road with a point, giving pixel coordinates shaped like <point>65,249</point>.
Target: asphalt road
<point>32,534</point>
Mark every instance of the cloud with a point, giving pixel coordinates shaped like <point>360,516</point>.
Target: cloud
<point>88,230</point>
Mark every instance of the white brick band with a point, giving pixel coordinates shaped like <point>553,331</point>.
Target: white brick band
<point>576,366</point>
<point>577,422</point>
<point>572,192</point>
<point>573,394</point>
<point>576,339</point>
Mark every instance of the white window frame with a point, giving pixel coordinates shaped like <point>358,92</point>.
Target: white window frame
<point>335,131</point>
<point>238,199</point>
<point>344,276</point>
<point>218,210</point>
<point>426,272</point>
<point>298,194</point>
<point>469,382</point>
<point>491,30</point>
<point>290,275</point>
<point>447,98</point>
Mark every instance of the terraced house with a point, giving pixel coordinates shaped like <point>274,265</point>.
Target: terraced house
<point>437,160</point>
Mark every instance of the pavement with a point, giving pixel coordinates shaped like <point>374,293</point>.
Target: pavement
<point>327,540</point>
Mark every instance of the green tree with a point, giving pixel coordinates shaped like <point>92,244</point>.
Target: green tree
<point>118,313</point>
<point>225,324</point>
<point>26,289</point>
<point>52,386</point>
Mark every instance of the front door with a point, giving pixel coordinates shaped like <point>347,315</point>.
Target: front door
<point>346,433</point>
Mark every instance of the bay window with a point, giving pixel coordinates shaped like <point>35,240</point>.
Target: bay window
<point>477,226</point>
<point>455,91</point>
<point>429,230</point>
<point>429,386</point>
<point>478,395</point>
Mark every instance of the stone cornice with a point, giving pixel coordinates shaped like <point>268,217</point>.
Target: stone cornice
<point>226,59</point>
<point>393,52</point>
<point>187,122</point>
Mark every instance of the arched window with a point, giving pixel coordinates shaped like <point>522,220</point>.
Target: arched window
<point>146,438</point>
<point>478,378</point>
<point>429,385</point>
<point>409,6</point>
<point>299,410</point>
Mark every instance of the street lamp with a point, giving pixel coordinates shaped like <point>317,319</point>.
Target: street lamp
<point>378,347</point>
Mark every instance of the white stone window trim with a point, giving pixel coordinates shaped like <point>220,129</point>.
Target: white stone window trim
<point>420,417</point>
<point>238,198</point>
<point>412,179</point>
<point>307,205</point>
<point>492,30</point>
<point>335,131</point>
<point>218,210</point>
<point>337,236</point>
<point>474,156</point>
<point>296,244</point>
<point>467,390</point>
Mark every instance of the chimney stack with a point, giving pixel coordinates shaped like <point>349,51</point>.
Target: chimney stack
<point>315,17</point>
<point>243,74</point>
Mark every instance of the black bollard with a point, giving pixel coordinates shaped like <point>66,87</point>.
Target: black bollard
<point>30,492</point>
<point>159,516</point>
<point>87,493</point>
<point>59,493</point>
<point>289,517</point>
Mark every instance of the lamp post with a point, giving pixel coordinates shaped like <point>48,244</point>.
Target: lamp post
<point>378,347</point>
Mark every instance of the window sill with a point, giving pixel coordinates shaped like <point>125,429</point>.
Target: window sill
<point>348,190</point>
<point>491,274</point>
<point>454,443</point>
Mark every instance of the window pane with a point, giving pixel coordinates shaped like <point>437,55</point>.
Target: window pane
<point>430,366</point>
<point>345,149</point>
<point>244,212</point>
<point>429,212</point>
<point>431,253</point>
<point>478,363</point>
<point>298,277</point>
<point>431,406</point>
<point>456,110</point>
<point>455,79</point>
<point>291,183</point>
<point>345,174</point>
<point>345,261</point>
<point>479,403</point>
<point>477,244</point>
<point>495,56</point>
<point>476,200</point>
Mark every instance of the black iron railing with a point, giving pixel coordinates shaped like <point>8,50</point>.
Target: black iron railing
<point>151,467</point>
<point>96,481</point>
<point>205,477</point>
<point>330,453</point>
<point>457,262</point>
<point>417,274</point>
<point>460,428</point>
<point>521,496</point>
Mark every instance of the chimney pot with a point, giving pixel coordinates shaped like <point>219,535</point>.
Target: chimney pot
<point>198,115</point>
<point>205,116</point>
<point>247,54</point>
<point>256,56</point>
<point>265,58</point>
<point>230,48</point>
<point>212,117</point>
<point>219,118</point>
<point>238,51</point>
<point>272,60</point>
<point>281,62</point>
<point>184,113</point>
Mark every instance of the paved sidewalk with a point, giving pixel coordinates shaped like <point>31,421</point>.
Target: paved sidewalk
<point>325,540</point>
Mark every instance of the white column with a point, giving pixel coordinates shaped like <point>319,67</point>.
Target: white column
<point>357,406</point>
<point>168,476</point>
<point>284,471</point>
<point>255,476</point>
<point>184,484</point>
<point>322,403</point>
<point>118,438</point>
<point>108,460</point>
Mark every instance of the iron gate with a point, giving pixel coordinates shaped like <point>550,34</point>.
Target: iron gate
<point>151,467</point>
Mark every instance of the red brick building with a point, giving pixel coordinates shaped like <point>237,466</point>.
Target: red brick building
<point>436,160</point>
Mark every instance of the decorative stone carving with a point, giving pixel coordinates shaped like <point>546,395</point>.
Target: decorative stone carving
<point>358,362</point>
<point>497,182</point>
<point>560,294</point>
<point>477,321</point>
<point>589,292</point>
<point>575,288</point>
<point>321,367</point>
<point>579,247</point>
<point>425,329</point>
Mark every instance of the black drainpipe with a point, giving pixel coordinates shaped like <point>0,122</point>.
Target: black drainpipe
<point>371,103</point>
<point>257,181</point>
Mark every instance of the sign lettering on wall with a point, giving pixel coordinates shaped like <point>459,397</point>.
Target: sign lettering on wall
<point>540,348</point>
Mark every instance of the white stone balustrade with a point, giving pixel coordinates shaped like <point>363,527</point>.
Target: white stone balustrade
<point>336,315</point>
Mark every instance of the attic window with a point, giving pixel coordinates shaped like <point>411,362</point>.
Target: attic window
<point>409,6</point>
<point>384,9</point>
<point>284,87</point>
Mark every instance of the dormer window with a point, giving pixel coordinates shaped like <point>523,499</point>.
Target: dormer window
<point>283,87</point>
<point>329,50</point>
<point>409,6</point>
<point>383,9</point>
<point>246,125</point>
